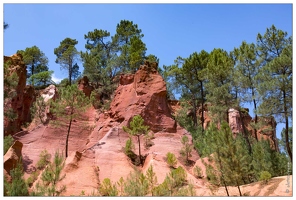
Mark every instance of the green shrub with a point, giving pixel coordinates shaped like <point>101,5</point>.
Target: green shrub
<point>179,176</point>
<point>186,149</point>
<point>33,177</point>
<point>129,146</point>
<point>197,172</point>
<point>136,184</point>
<point>8,141</point>
<point>44,159</point>
<point>171,159</point>
<point>107,188</point>
<point>265,176</point>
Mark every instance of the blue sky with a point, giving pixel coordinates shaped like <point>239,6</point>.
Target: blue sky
<point>170,30</point>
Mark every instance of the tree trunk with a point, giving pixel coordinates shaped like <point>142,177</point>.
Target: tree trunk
<point>70,71</point>
<point>256,117</point>
<point>194,113</point>
<point>225,187</point>
<point>202,108</point>
<point>287,127</point>
<point>240,193</point>
<point>68,134</point>
<point>245,132</point>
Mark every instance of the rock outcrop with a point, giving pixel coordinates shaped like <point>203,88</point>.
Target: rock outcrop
<point>20,103</point>
<point>84,86</point>
<point>143,94</point>
<point>12,157</point>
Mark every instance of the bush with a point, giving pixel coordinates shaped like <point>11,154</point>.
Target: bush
<point>8,141</point>
<point>265,176</point>
<point>33,177</point>
<point>44,159</point>
<point>197,172</point>
<point>129,146</point>
<point>107,188</point>
<point>179,176</point>
<point>171,159</point>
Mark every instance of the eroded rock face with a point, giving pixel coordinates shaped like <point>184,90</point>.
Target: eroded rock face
<point>72,161</point>
<point>267,132</point>
<point>21,102</point>
<point>143,94</point>
<point>11,157</point>
<point>84,86</point>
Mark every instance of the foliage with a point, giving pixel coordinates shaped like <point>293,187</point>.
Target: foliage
<point>70,104</point>
<point>197,172</point>
<point>275,76</point>
<point>64,82</point>
<point>44,160</point>
<point>107,188</point>
<point>221,94</point>
<point>129,146</point>
<point>50,177</point>
<point>120,184</point>
<point>136,184</point>
<point>152,179</point>
<point>137,128</point>
<point>9,86</point>
<point>39,110</point>
<point>67,55</point>
<point>261,154</point>
<point>8,141</point>
<point>18,186</point>
<point>265,176</point>
<point>189,80</point>
<point>35,60</point>
<point>178,176</point>
<point>186,149</point>
<point>282,141</point>
<point>247,68</point>
<point>33,177</point>
<point>10,81</point>
<point>171,159</point>
<point>130,46</point>
<point>41,79</point>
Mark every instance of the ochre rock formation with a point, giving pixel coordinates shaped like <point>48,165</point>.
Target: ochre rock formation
<point>22,101</point>
<point>84,86</point>
<point>143,94</point>
<point>11,157</point>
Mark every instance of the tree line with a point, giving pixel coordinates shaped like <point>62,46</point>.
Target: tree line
<point>258,73</point>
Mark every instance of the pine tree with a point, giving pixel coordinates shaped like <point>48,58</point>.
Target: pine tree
<point>35,60</point>
<point>186,149</point>
<point>275,51</point>
<point>69,105</point>
<point>151,178</point>
<point>67,54</point>
<point>18,186</point>
<point>137,128</point>
<point>8,141</point>
<point>50,177</point>
<point>247,68</point>
<point>187,77</point>
<point>128,41</point>
<point>171,159</point>
<point>107,188</point>
<point>221,93</point>
<point>99,62</point>
<point>136,184</point>
<point>261,158</point>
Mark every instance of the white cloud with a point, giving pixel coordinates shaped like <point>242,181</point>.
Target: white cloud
<point>56,79</point>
